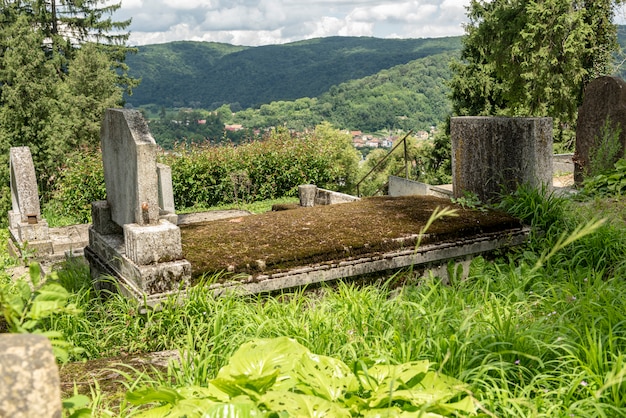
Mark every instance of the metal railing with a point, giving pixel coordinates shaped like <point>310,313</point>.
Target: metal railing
<point>378,164</point>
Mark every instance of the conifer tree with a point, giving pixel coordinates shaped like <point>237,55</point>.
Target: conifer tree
<point>532,57</point>
<point>61,66</point>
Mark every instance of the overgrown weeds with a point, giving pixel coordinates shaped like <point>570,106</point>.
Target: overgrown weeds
<point>531,333</point>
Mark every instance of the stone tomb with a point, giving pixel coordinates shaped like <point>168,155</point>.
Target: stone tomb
<point>130,237</point>
<point>493,155</point>
<point>26,226</point>
<point>604,98</point>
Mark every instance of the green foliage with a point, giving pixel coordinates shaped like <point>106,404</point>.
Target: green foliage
<point>208,75</point>
<point>269,377</point>
<point>25,309</point>
<point>267,169</point>
<point>80,182</point>
<point>540,55</point>
<point>536,207</point>
<point>612,183</point>
<point>606,151</point>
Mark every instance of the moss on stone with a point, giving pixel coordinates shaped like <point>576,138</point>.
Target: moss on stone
<point>275,241</point>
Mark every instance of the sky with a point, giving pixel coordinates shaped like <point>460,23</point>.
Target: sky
<point>265,22</point>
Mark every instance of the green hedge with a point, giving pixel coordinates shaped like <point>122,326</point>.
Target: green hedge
<point>209,176</point>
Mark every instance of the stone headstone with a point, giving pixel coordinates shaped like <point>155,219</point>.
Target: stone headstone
<point>493,155</point>
<point>134,236</point>
<point>604,97</point>
<point>24,191</point>
<point>29,377</point>
<point>26,226</point>
<point>167,209</point>
<point>130,172</point>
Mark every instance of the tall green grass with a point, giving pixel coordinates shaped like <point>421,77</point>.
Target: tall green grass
<point>535,332</point>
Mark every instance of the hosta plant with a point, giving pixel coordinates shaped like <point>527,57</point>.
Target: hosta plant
<point>281,378</point>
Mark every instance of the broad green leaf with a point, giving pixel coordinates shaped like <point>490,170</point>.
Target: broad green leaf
<point>433,388</point>
<point>259,365</point>
<point>147,395</point>
<point>211,392</point>
<point>40,309</point>
<point>29,325</point>
<point>158,412</point>
<point>12,305</point>
<point>407,374</point>
<point>395,412</point>
<point>302,405</point>
<point>76,401</point>
<point>466,405</point>
<point>24,291</point>
<point>324,376</point>
<point>52,292</point>
<point>34,271</point>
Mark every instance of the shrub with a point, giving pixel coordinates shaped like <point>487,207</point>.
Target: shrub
<point>80,182</point>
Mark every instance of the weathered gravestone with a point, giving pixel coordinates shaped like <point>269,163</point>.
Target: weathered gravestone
<point>493,155</point>
<point>128,239</point>
<point>29,377</point>
<point>26,225</point>
<point>604,99</point>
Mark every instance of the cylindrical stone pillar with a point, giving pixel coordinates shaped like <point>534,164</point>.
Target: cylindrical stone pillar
<point>493,155</point>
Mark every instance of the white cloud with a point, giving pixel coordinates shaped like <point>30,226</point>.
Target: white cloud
<point>260,22</point>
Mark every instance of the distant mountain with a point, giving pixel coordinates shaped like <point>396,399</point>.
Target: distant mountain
<point>207,74</point>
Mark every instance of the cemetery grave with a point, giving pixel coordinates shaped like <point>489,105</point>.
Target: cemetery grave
<point>135,236</point>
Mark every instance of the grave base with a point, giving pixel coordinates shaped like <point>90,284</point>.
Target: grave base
<point>27,239</point>
<point>150,283</point>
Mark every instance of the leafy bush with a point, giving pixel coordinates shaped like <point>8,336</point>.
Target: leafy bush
<point>279,377</point>
<point>268,169</point>
<point>612,183</point>
<point>211,176</point>
<point>607,150</point>
<point>80,182</point>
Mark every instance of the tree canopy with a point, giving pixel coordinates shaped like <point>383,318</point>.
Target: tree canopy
<point>61,66</point>
<point>532,57</point>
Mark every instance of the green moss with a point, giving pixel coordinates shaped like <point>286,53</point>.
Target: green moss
<point>273,241</point>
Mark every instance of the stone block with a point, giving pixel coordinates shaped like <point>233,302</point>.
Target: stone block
<point>307,193</point>
<point>33,232</point>
<point>493,155</point>
<point>148,244</point>
<point>130,175</point>
<point>166,191</point>
<point>15,218</point>
<point>29,377</point>
<point>101,218</point>
<point>603,98</point>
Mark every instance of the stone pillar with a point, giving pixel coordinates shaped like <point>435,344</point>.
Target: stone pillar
<point>493,155</point>
<point>167,210</point>
<point>604,98</point>
<point>307,194</point>
<point>29,377</point>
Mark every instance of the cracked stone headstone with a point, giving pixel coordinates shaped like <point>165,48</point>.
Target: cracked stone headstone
<point>492,155</point>
<point>29,377</point>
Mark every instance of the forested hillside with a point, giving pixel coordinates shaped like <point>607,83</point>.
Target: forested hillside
<point>207,75</point>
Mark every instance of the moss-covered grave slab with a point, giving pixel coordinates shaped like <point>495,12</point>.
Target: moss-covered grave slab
<point>277,250</point>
